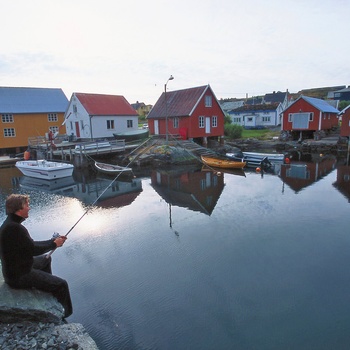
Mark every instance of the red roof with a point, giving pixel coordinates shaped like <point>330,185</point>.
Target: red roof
<point>181,103</point>
<point>96,104</point>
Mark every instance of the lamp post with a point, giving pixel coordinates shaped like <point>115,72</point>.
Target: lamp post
<point>166,109</point>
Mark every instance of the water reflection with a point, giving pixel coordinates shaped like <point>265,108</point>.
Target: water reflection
<point>196,190</point>
<point>300,174</point>
<point>87,188</point>
<point>342,183</point>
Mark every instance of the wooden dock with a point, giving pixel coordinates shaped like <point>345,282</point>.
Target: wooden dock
<point>78,153</point>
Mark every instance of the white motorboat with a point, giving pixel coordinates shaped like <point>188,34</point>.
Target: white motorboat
<point>272,157</point>
<point>44,169</point>
<point>255,159</point>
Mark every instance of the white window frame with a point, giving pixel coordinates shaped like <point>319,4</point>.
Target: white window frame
<point>7,118</point>
<point>54,128</point>
<point>9,132</point>
<point>175,123</point>
<point>208,101</point>
<point>110,124</point>
<point>201,122</point>
<point>129,123</point>
<point>52,117</point>
<point>214,122</point>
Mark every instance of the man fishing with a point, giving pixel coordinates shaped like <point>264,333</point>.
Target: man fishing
<point>23,263</point>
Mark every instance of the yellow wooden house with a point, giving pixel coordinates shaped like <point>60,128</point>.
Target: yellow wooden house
<point>28,113</point>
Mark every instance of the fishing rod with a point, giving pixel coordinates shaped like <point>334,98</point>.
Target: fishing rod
<point>96,200</point>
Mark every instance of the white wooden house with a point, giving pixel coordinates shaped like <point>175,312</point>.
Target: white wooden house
<point>93,116</point>
<point>257,116</point>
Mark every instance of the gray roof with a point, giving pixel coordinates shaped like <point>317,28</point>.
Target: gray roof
<point>322,105</point>
<point>229,105</point>
<point>32,100</point>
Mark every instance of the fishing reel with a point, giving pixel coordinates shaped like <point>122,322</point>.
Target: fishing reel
<point>55,235</point>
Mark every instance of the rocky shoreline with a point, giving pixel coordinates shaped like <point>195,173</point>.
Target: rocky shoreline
<point>30,335</point>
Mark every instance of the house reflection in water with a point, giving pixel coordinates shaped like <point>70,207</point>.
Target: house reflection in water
<point>103,193</point>
<point>196,190</point>
<point>88,190</point>
<point>342,183</point>
<point>299,175</point>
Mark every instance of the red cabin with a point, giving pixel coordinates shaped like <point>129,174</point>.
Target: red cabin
<point>307,115</point>
<point>192,113</point>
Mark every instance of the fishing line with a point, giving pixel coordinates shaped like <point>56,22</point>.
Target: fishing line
<point>103,192</point>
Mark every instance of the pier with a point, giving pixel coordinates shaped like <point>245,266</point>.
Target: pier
<point>77,153</point>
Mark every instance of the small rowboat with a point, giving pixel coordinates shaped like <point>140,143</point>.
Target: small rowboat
<point>112,169</point>
<point>222,163</point>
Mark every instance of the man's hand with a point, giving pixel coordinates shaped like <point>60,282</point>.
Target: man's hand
<point>60,240</point>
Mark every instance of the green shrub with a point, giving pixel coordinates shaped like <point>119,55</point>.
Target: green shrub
<point>233,131</point>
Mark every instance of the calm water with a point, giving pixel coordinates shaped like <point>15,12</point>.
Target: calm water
<point>193,260</point>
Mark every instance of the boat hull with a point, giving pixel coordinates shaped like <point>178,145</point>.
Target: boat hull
<point>42,169</point>
<point>112,169</point>
<point>223,163</point>
<point>132,135</point>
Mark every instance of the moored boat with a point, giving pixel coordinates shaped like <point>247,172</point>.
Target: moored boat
<point>257,159</point>
<point>272,157</point>
<point>112,169</point>
<point>132,135</point>
<point>222,163</point>
<point>44,169</point>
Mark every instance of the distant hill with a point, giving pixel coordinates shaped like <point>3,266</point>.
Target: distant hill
<point>320,93</point>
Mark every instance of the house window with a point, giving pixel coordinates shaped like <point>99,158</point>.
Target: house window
<point>201,121</point>
<point>266,119</point>
<point>75,109</point>
<point>110,124</point>
<point>290,117</point>
<point>176,123</point>
<point>9,132</point>
<point>129,123</point>
<point>237,120</point>
<point>311,117</point>
<point>214,121</point>
<point>52,117</point>
<point>208,101</point>
<point>7,118</point>
<point>53,129</point>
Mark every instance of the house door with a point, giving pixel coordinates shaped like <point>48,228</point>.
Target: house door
<point>156,127</point>
<point>207,125</point>
<point>77,130</point>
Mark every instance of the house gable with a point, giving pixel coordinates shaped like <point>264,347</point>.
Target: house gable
<point>183,110</point>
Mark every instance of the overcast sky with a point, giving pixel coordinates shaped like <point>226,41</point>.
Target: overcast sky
<point>131,47</point>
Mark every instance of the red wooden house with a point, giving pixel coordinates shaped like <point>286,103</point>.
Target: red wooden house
<point>307,115</point>
<point>192,113</point>
<point>345,124</point>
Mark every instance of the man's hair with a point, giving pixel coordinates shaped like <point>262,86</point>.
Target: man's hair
<point>16,202</point>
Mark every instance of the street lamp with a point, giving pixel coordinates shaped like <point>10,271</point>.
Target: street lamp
<point>166,109</point>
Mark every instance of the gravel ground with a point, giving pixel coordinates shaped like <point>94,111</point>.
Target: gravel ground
<point>49,336</point>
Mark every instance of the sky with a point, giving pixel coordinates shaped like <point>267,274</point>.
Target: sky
<point>131,47</point>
